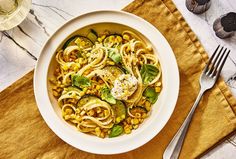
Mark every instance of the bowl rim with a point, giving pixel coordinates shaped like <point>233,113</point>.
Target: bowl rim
<point>96,146</point>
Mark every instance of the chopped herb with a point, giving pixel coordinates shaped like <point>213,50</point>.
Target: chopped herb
<point>114,55</point>
<point>80,81</point>
<point>106,95</point>
<point>148,73</point>
<point>116,130</point>
<point>151,94</point>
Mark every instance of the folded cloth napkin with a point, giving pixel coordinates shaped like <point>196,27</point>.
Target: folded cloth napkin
<point>24,134</point>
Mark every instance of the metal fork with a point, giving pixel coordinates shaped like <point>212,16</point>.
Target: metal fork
<point>208,79</point>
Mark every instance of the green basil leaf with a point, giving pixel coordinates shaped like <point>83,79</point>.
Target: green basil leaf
<point>80,81</point>
<point>114,55</point>
<point>116,130</point>
<point>151,94</point>
<point>148,73</point>
<point>106,95</point>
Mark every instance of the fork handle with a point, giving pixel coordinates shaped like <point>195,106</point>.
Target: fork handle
<point>173,149</point>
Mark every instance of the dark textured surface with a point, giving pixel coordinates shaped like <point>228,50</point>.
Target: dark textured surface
<point>229,22</point>
<point>202,2</point>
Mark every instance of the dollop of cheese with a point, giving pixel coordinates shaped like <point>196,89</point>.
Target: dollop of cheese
<point>124,86</point>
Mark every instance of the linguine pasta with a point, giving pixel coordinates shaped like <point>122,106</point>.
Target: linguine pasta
<point>105,84</point>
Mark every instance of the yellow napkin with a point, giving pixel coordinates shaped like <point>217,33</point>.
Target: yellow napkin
<point>24,134</point>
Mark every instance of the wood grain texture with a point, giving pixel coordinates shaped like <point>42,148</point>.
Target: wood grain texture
<point>24,134</point>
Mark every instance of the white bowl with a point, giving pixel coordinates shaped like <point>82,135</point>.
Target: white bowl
<point>161,110</point>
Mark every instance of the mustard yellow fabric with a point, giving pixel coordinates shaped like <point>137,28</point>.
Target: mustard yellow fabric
<point>24,134</point>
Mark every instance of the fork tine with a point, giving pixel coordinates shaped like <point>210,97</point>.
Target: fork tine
<point>216,66</point>
<point>214,61</point>
<point>222,64</point>
<point>211,58</point>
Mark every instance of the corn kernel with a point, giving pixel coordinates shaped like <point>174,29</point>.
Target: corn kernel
<point>88,91</point>
<point>158,84</point>
<point>77,110</point>
<point>65,67</point>
<point>126,37</point>
<point>97,131</point>
<point>141,120</point>
<point>148,108</point>
<point>72,116</point>
<point>127,131</point>
<point>80,60</point>
<point>102,135</point>
<point>81,93</point>
<point>106,112</point>
<point>90,112</point>
<point>98,87</point>
<point>149,48</point>
<point>134,121</point>
<point>76,68</point>
<point>78,118</point>
<point>99,39</point>
<point>83,43</point>
<point>135,126</point>
<point>77,41</point>
<point>111,38</point>
<point>118,119</point>
<point>88,54</point>
<point>67,117</point>
<point>119,39</point>
<point>157,89</point>
<point>123,116</point>
<point>144,115</point>
<point>128,120</point>
<point>103,37</point>
<point>68,111</point>
<point>126,126</point>
<point>147,104</point>
<point>85,89</point>
<point>110,62</point>
<point>85,61</point>
<point>99,110</point>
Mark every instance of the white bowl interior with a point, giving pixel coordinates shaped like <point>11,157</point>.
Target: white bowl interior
<point>115,22</point>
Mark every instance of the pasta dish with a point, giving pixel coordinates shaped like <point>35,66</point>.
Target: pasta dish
<point>106,83</point>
